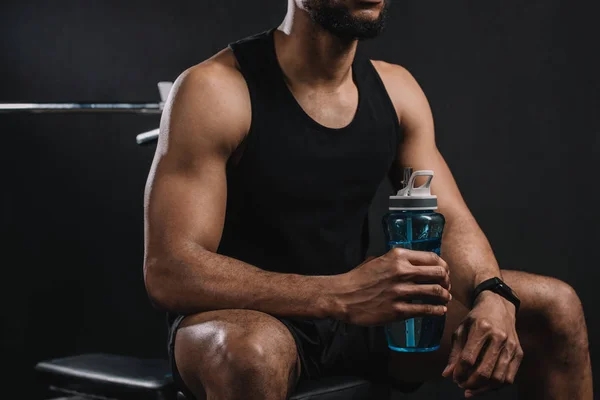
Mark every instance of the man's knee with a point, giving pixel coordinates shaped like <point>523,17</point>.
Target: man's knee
<point>566,312</point>
<point>249,354</point>
<point>557,311</point>
<point>220,355</point>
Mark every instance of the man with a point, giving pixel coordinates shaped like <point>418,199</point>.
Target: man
<point>269,155</point>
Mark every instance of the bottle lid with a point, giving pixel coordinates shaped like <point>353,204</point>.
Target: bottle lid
<point>415,198</point>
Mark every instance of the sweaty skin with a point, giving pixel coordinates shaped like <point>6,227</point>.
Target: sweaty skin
<point>203,128</point>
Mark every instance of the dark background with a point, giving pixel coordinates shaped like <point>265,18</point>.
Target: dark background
<point>514,91</point>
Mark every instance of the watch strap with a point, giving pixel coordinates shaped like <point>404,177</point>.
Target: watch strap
<point>497,286</point>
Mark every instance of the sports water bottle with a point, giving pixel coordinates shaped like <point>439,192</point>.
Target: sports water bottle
<point>413,224</point>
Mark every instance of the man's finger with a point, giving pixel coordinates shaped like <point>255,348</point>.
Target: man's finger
<point>426,274</point>
<point>420,257</point>
<point>468,357</point>
<point>410,310</point>
<point>482,374</point>
<point>458,341</point>
<point>430,293</point>
<point>472,393</point>
<point>501,370</point>
<point>513,368</point>
<point>498,377</point>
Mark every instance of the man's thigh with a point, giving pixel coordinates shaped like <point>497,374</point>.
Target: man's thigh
<point>421,367</point>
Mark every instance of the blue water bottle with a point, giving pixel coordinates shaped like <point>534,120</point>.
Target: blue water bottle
<point>413,224</point>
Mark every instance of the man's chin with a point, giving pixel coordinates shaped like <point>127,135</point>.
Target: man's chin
<point>360,36</point>
<point>355,24</point>
<point>366,18</point>
<point>367,30</point>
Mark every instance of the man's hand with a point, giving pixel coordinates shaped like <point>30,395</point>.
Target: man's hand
<point>382,289</point>
<point>486,353</point>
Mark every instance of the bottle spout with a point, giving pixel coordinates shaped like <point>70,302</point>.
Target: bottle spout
<point>406,174</point>
<point>411,197</point>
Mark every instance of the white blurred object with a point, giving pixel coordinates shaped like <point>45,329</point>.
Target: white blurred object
<point>147,136</point>
<point>164,88</point>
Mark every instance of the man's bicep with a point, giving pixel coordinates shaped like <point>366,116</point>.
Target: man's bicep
<point>186,208</point>
<point>420,152</point>
<point>186,193</point>
<point>426,157</point>
<point>418,148</point>
<point>414,115</point>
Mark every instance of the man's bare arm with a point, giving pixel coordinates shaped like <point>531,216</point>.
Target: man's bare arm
<point>464,245</point>
<point>203,123</point>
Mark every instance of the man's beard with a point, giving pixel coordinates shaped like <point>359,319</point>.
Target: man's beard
<point>338,20</point>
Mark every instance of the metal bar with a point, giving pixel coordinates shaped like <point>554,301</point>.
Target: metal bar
<point>135,108</point>
<point>147,137</point>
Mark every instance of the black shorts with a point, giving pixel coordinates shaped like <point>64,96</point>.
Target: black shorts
<point>327,347</point>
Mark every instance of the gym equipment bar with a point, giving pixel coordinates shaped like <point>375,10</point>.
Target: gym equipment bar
<point>164,89</point>
<point>136,108</point>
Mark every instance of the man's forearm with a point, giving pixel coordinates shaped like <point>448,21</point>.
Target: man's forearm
<point>201,280</point>
<point>469,256</point>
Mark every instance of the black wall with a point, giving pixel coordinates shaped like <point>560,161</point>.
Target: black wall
<point>513,87</point>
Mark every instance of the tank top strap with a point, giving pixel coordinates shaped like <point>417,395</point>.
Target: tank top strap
<point>254,55</point>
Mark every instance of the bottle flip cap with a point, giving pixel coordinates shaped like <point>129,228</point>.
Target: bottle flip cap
<point>414,198</point>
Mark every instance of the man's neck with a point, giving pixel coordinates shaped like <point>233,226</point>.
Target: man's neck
<point>311,56</point>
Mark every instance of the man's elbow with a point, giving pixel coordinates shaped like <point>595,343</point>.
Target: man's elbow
<point>158,280</point>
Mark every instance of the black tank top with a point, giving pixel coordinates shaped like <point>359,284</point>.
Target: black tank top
<point>298,198</point>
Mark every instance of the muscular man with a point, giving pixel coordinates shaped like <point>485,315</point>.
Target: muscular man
<point>269,155</point>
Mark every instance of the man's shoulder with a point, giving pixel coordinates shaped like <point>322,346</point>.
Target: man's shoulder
<point>389,68</point>
<point>216,86</point>
<point>220,71</point>
<point>212,95</point>
<point>401,86</point>
<point>394,76</point>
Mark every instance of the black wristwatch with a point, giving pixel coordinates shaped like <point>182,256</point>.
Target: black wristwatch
<point>497,286</point>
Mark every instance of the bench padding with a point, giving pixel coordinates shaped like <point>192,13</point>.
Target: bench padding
<point>130,378</point>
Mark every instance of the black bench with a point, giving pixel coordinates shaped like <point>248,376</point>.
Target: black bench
<point>107,376</point>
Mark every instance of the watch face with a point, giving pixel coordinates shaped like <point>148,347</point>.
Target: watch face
<point>494,282</point>
<point>504,288</point>
<point>498,286</point>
